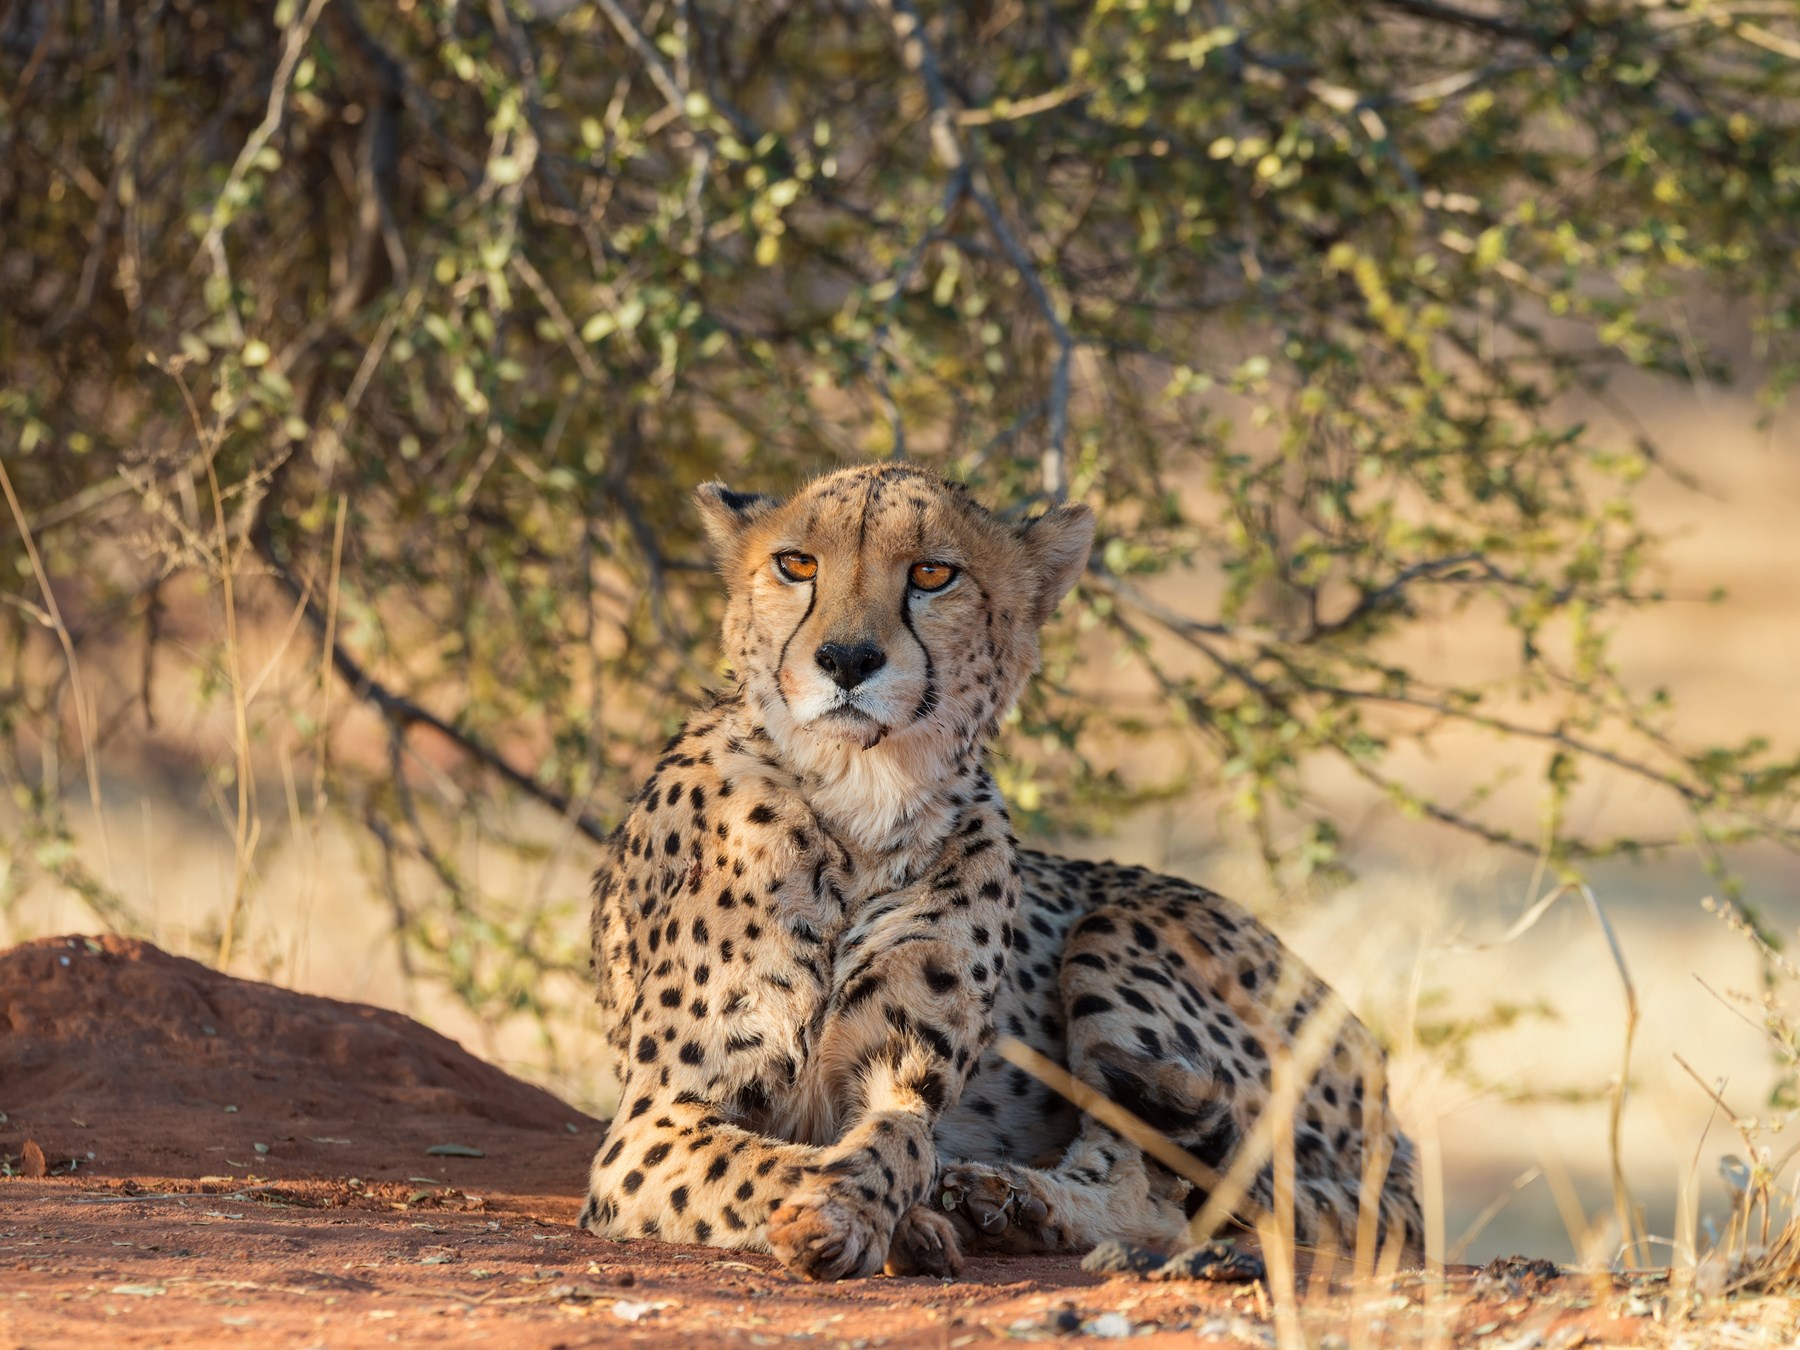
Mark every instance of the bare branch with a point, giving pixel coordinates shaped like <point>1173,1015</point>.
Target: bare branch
<point>401,711</point>
<point>922,59</point>
<point>646,52</point>
<point>1438,12</point>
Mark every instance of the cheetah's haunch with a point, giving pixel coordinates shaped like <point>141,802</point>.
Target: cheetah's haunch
<point>815,920</point>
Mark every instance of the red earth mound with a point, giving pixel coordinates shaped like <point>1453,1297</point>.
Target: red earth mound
<point>119,1059</point>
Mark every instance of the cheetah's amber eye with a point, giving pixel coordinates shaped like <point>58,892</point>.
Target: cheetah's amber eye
<point>795,566</point>
<point>932,576</point>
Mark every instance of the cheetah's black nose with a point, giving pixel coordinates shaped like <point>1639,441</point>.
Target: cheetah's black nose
<point>849,665</point>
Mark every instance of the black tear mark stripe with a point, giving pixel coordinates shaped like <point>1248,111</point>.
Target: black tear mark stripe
<point>812,596</point>
<point>927,700</point>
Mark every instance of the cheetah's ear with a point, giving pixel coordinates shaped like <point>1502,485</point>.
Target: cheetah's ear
<point>1058,542</point>
<point>727,514</point>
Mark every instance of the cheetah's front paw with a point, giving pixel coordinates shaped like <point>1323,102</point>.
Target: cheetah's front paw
<point>1001,1209</point>
<point>924,1244</point>
<point>823,1236</point>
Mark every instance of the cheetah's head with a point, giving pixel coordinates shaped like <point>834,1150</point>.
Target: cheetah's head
<point>885,607</point>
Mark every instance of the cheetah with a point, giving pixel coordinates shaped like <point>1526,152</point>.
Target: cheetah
<point>814,931</point>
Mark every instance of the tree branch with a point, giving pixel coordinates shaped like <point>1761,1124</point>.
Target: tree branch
<point>400,711</point>
<point>920,58</point>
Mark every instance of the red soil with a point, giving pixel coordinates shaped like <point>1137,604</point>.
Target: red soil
<point>314,1214</point>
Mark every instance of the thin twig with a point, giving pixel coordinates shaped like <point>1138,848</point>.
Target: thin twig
<point>212,243</point>
<point>84,713</point>
<point>246,826</point>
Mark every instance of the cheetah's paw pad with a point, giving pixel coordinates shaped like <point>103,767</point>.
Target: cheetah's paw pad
<point>1000,1209</point>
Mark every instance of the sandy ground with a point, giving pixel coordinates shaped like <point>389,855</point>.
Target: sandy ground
<point>221,1161</point>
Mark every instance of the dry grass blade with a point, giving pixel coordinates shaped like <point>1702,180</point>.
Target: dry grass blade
<point>1305,1054</point>
<point>1625,1210</point>
<point>84,713</point>
<point>1277,1229</point>
<point>246,823</point>
<point>1776,1268</point>
<point>1764,1266</point>
<point>1490,1212</point>
<point>1108,1112</point>
<point>1630,1218</point>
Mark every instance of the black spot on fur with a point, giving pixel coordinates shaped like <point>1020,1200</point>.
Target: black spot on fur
<point>1135,999</point>
<point>859,991</point>
<point>1141,1099</point>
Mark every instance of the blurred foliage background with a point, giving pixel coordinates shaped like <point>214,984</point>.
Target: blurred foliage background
<point>356,363</point>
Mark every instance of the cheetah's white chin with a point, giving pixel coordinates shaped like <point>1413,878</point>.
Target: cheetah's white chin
<point>831,737</point>
<point>847,724</point>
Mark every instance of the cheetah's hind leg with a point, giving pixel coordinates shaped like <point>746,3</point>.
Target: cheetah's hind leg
<point>1162,1021</point>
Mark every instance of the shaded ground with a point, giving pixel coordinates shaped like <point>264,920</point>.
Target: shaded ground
<point>230,1162</point>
